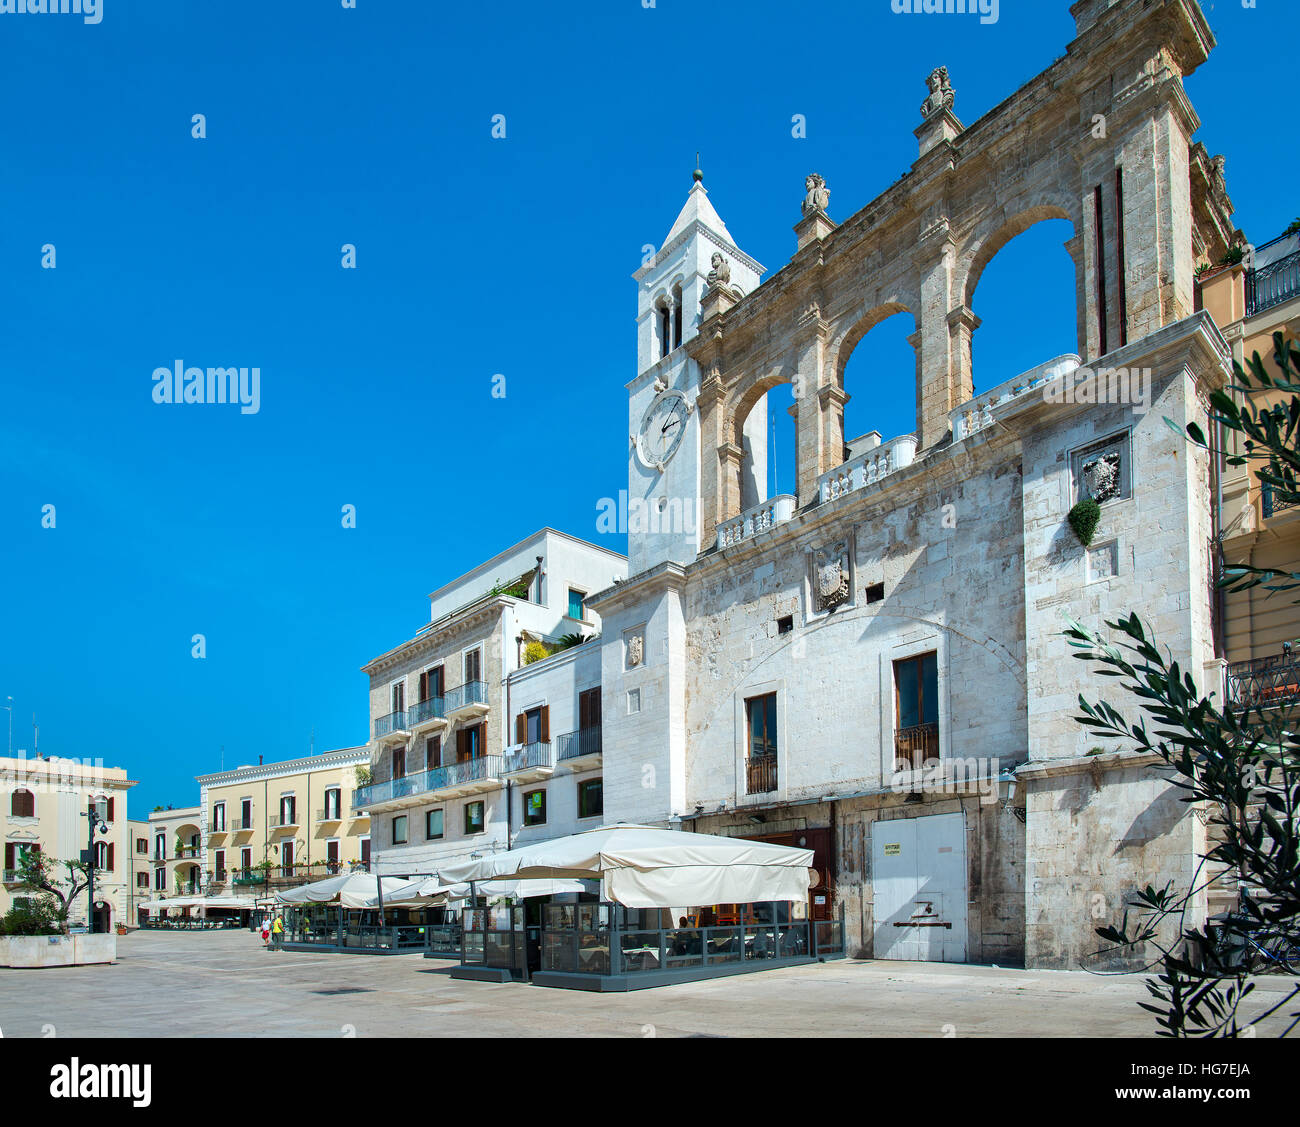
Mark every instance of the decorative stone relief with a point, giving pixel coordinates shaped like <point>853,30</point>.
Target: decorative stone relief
<point>819,196</point>
<point>1101,477</point>
<point>832,576</point>
<point>1102,471</point>
<point>942,95</point>
<point>635,643</point>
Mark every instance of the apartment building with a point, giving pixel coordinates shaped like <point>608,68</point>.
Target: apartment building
<point>276,825</point>
<point>43,808</point>
<point>176,851</point>
<point>1251,301</point>
<point>494,695</point>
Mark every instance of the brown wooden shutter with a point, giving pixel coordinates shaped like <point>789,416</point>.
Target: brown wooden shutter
<point>521,728</point>
<point>424,686</point>
<point>546,724</point>
<point>9,856</point>
<point>111,847</point>
<point>110,813</point>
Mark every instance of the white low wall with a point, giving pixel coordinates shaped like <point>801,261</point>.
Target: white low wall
<point>57,950</point>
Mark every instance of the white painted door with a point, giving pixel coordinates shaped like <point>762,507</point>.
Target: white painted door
<point>918,877</point>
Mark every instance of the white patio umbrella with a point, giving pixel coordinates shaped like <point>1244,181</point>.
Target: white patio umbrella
<point>351,890</point>
<point>646,867</point>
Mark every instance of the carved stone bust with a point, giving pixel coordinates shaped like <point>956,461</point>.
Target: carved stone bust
<point>720,275</point>
<point>819,196</point>
<point>942,95</point>
<point>832,580</point>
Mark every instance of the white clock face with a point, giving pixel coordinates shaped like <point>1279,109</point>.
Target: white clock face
<point>663,429</point>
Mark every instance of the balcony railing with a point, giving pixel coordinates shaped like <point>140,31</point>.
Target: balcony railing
<point>1273,284</point>
<point>974,416</point>
<point>916,745</point>
<point>11,876</point>
<point>761,518</point>
<point>576,745</point>
<point>423,711</point>
<point>467,695</point>
<point>284,821</point>
<point>530,757</point>
<point>1264,682</point>
<point>330,814</point>
<point>185,852</point>
<point>449,777</point>
<point>760,774</point>
<point>239,825</point>
<point>1273,503</point>
<point>217,829</point>
<point>387,725</point>
<point>867,468</point>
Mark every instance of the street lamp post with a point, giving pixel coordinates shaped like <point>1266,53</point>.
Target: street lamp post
<point>94,822</point>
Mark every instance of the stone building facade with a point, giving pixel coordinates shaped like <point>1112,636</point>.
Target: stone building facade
<point>873,664</point>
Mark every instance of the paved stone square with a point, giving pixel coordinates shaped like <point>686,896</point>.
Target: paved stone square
<point>204,984</point>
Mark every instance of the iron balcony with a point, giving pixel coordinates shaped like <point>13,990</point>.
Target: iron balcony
<point>580,749</point>
<point>467,777</point>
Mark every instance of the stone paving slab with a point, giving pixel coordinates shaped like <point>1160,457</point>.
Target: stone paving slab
<point>224,984</point>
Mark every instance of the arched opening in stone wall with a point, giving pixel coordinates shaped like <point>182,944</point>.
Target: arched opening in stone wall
<point>877,370</point>
<point>1027,299</point>
<point>782,463</point>
<point>764,431</point>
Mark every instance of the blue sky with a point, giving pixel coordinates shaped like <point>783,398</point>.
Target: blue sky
<point>372,126</point>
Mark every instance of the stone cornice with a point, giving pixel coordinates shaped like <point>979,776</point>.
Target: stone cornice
<point>1083,764</point>
<point>411,649</point>
<point>343,757</point>
<point>663,577</point>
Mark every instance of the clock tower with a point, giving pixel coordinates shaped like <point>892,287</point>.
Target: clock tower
<point>663,474</point>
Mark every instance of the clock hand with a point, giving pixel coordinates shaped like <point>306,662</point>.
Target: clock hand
<point>668,425</point>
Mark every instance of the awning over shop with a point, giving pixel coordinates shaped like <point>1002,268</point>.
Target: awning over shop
<point>646,867</point>
<point>351,890</point>
<point>200,902</point>
<point>428,892</point>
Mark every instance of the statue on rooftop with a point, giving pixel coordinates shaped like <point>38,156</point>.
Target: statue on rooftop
<point>819,196</point>
<point>942,95</point>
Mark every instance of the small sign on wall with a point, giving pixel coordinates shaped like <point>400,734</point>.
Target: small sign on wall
<point>893,849</point>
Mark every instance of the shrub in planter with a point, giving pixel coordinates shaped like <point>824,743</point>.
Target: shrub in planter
<point>535,651</point>
<point>1083,519</point>
<point>37,917</point>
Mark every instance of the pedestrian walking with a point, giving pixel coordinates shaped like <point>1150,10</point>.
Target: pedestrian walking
<point>277,932</point>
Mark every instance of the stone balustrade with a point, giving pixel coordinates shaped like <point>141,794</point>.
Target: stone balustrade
<point>973,416</point>
<point>758,519</point>
<point>867,468</point>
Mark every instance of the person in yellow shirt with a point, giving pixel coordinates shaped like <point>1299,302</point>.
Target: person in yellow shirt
<point>277,931</point>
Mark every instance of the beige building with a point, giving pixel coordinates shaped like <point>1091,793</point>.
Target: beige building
<point>43,807</point>
<point>276,825</point>
<point>1250,302</point>
<point>175,851</point>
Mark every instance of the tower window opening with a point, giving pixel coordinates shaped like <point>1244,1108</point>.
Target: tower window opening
<point>677,316</point>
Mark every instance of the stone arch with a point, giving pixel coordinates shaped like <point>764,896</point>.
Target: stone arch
<point>857,326</point>
<point>984,246</point>
<point>747,453</point>
<point>981,248</point>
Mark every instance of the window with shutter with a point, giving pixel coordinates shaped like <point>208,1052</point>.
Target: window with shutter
<point>112,849</point>
<point>589,709</point>
<point>110,809</point>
